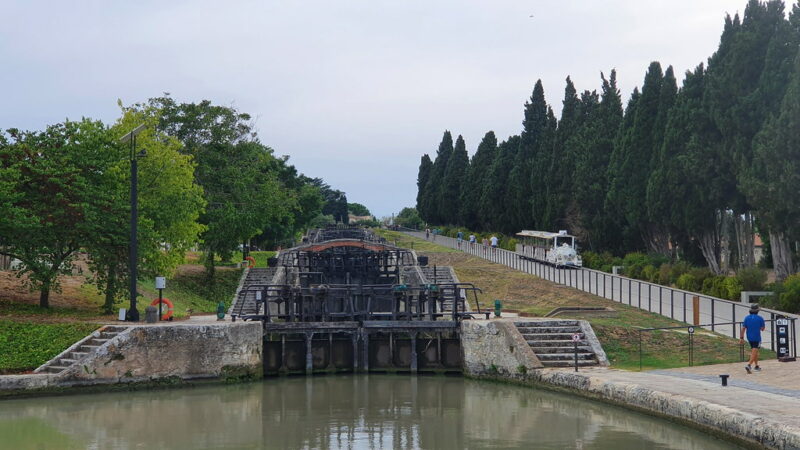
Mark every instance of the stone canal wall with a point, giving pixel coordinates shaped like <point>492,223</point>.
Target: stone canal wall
<point>171,353</point>
<point>496,348</point>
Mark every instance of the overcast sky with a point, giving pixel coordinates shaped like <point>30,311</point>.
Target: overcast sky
<point>353,91</point>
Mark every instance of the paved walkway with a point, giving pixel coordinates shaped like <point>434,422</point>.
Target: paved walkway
<point>761,407</point>
<point>776,377</point>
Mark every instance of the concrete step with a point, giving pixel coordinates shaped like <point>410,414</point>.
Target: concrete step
<point>581,363</point>
<point>539,330</point>
<point>563,356</point>
<point>570,349</point>
<point>78,355</point>
<point>548,323</point>
<point>547,337</point>
<point>56,369</point>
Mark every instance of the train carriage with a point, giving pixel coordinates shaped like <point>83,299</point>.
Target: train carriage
<point>558,249</point>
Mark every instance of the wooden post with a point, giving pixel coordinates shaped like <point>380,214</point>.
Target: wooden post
<point>696,310</point>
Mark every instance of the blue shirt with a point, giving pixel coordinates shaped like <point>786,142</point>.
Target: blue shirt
<point>460,235</point>
<point>753,323</point>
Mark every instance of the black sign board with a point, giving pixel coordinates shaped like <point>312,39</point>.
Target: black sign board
<point>782,337</point>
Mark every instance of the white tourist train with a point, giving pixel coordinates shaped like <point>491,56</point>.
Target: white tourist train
<point>558,249</point>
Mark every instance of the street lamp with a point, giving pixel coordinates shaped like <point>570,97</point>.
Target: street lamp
<point>133,314</point>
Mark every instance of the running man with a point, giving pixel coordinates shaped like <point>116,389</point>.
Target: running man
<point>753,324</point>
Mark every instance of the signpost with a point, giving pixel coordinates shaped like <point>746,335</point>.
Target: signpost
<point>691,345</point>
<point>161,284</point>
<point>575,339</point>
<point>782,338</point>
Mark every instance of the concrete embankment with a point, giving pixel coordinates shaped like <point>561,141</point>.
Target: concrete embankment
<point>157,354</point>
<point>751,416</point>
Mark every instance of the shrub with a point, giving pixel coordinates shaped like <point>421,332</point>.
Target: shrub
<point>788,294</point>
<point>650,273</point>
<point>600,261</point>
<point>678,269</point>
<point>634,263</point>
<point>687,282</point>
<point>732,288</point>
<point>752,279</point>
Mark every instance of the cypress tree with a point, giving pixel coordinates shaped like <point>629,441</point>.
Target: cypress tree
<point>472,187</point>
<point>625,238</point>
<point>494,204</point>
<point>772,181</point>
<point>540,169</point>
<point>455,171</point>
<point>593,153</point>
<point>519,189</point>
<point>562,163</point>
<point>433,190</point>
<point>423,176</point>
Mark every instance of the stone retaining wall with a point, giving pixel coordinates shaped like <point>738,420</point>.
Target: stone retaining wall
<point>496,348</point>
<point>180,352</point>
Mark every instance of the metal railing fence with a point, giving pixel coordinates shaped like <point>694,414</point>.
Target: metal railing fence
<point>715,314</point>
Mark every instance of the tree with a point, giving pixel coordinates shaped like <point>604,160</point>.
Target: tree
<point>472,188</point>
<point>357,209</point>
<point>169,205</point>
<point>409,218</point>
<point>592,155</point>
<point>494,202</point>
<point>457,166</point>
<point>425,168</point>
<point>772,180</point>
<point>519,190</point>
<point>55,189</point>
<point>238,174</point>
<point>435,186</point>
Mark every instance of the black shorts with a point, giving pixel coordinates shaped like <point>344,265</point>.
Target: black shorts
<point>755,344</point>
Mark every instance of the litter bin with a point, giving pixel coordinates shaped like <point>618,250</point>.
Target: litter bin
<point>422,261</point>
<point>151,314</point>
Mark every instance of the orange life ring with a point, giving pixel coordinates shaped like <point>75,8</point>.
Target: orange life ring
<point>252,262</point>
<point>170,307</point>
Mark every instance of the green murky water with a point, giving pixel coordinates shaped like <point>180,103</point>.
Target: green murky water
<point>370,412</point>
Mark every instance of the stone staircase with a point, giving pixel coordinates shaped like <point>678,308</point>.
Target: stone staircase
<point>442,275</point>
<point>80,350</point>
<point>245,303</point>
<point>551,341</point>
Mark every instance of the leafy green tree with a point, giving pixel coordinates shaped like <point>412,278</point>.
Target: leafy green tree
<point>472,188</point>
<point>55,191</point>
<point>409,218</point>
<point>357,209</point>
<point>457,166</point>
<point>241,187</point>
<point>169,204</point>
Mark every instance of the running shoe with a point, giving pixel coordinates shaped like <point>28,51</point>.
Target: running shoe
<point>747,368</point>
<point>758,369</point>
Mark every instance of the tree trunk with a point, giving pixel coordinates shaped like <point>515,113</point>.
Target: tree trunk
<point>44,295</point>
<point>781,255</point>
<point>210,266</point>
<point>745,239</point>
<point>108,306</point>
<point>657,239</point>
<point>712,249</point>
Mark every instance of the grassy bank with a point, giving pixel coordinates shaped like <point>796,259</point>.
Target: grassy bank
<point>26,345</point>
<point>190,293</point>
<point>619,335</point>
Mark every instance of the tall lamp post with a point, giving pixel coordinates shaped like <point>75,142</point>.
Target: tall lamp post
<point>133,314</point>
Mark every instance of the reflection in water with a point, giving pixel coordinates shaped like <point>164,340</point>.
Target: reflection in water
<point>366,411</point>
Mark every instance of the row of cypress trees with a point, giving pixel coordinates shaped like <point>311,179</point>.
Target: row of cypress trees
<point>698,168</point>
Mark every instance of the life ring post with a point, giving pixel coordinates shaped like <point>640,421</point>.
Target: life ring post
<point>170,307</point>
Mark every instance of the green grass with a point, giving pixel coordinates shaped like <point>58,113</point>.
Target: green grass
<point>8,307</point>
<point>190,291</point>
<point>27,345</point>
<point>260,257</point>
<point>406,241</point>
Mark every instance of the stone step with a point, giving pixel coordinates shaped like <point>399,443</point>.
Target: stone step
<point>581,363</point>
<point>56,368</point>
<point>78,355</point>
<point>540,330</point>
<point>564,350</point>
<point>540,342</point>
<point>67,361</point>
<point>547,337</point>
<point>548,323</point>
<point>563,356</point>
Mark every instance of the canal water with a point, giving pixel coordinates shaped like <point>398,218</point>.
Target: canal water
<point>363,411</point>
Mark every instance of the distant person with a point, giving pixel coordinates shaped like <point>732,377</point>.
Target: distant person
<point>459,238</point>
<point>427,233</point>
<point>494,241</point>
<point>753,325</point>
<point>485,245</point>
<point>472,240</point>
